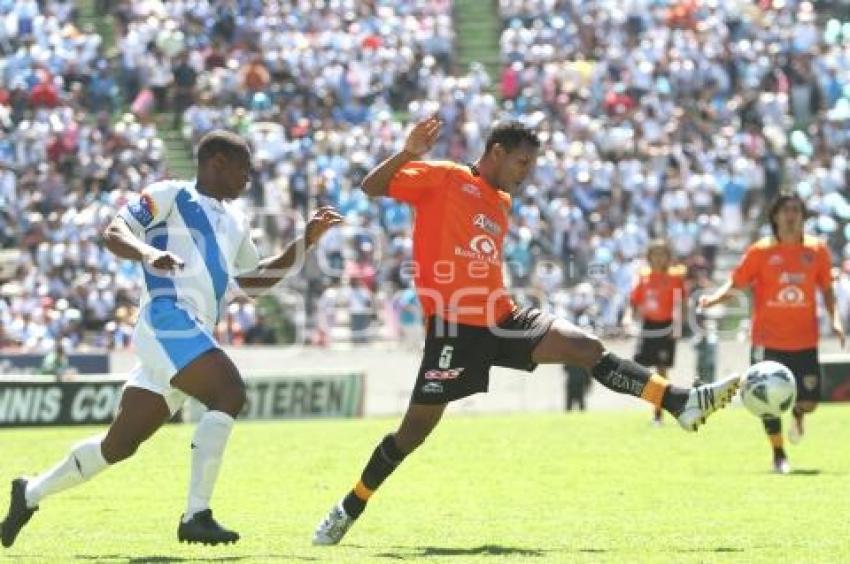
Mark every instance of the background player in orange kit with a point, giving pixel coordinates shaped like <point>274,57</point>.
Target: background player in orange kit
<point>784,272</point>
<point>659,290</point>
<point>472,322</point>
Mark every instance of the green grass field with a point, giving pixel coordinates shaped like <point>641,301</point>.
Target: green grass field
<point>592,487</point>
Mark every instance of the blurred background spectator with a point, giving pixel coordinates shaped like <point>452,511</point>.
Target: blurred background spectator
<point>659,118</point>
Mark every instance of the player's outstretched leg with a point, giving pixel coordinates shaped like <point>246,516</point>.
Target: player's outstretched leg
<point>139,415</point>
<point>83,462</point>
<point>417,424</point>
<point>566,343</point>
<point>19,513</point>
<point>690,406</point>
<point>704,400</point>
<point>213,379</point>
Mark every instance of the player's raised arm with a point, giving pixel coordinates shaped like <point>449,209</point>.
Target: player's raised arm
<point>271,270</point>
<point>743,276</point>
<point>720,295</point>
<point>122,242</point>
<point>419,141</point>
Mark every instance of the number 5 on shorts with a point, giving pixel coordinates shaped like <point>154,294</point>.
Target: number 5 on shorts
<point>446,357</point>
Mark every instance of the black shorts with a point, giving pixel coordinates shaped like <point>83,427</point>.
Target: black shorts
<point>457,358</point>
<point>804,364</point>
<point>656,346</point>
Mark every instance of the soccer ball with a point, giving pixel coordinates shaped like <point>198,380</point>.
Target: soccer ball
<point>768,389</point>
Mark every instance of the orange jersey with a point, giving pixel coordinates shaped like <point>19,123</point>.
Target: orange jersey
<point>460,224</point>
<point>656,294</point>
<point>784,279</point>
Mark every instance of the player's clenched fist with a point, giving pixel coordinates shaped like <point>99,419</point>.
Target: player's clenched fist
<point>324,218</point>
<point>423,135</point>
<point>163,260</point>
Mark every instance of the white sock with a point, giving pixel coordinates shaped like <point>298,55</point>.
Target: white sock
<point>207,449</point>
<point>84,461</point>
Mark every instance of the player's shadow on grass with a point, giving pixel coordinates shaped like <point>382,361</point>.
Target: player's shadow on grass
<point>710,549</point>
<point>169,559</point>
<point>483,550</point>
<point>158,559</point>
<point>805,472</point>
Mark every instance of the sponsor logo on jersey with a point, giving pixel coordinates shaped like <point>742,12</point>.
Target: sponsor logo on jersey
<point>432,388</point>
<point>484,245</point>
<point>450,374</point>
<point>774,260</point>
<point>791,295</point>
<point>792,278</point>
<point>481,221</point>
<point>481,247</point>
<point>807,258</point>
<point>144,210</point>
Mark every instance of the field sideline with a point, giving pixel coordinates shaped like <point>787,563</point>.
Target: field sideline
<point>592,487</point>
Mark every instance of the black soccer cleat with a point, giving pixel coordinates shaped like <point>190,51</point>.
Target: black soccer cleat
<point>204,529</point>
<point>18,514</point>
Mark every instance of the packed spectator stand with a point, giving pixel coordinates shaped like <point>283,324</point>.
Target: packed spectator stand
<point>658,118</point>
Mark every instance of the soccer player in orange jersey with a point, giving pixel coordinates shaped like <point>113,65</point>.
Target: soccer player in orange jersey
<point>659,290</point>
<point>461,218</point>
<point>785,272</point>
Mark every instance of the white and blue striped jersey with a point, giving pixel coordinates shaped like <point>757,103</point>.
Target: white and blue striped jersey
<point>212,237</point>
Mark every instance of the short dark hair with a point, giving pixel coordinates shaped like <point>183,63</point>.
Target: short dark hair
<point>511,135</point>
<point>222,141</point>
<point>777,204</point>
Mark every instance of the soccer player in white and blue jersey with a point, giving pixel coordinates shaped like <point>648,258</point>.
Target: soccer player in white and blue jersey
<point>192,244</point>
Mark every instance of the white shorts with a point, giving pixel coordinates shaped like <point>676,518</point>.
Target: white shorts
<point>167,338</point>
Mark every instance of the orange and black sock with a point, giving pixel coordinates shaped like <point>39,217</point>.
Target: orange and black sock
<point>385,458</point>
<point>627,377</point>
<point>773,428</point>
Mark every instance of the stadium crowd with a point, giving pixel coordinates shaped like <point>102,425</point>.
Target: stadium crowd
<point>658,118</point>
<point>65,166</point>
<point>682,116</point>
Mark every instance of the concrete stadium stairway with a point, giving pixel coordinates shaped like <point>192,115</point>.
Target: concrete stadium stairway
<point>477,32</point>
<point>87,14</point>
<point>178,154</point>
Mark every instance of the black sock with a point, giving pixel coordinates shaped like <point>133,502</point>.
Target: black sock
<point>626,377</point>
<point>621,375</point>
<point>772,425</point>
<point>353,505</point>
<point>674,399</point>
<point>385,458</point>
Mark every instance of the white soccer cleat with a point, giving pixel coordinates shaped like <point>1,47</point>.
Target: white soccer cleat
<point>333,527</point>
<point>705,400</point>
<point>781,465</point>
